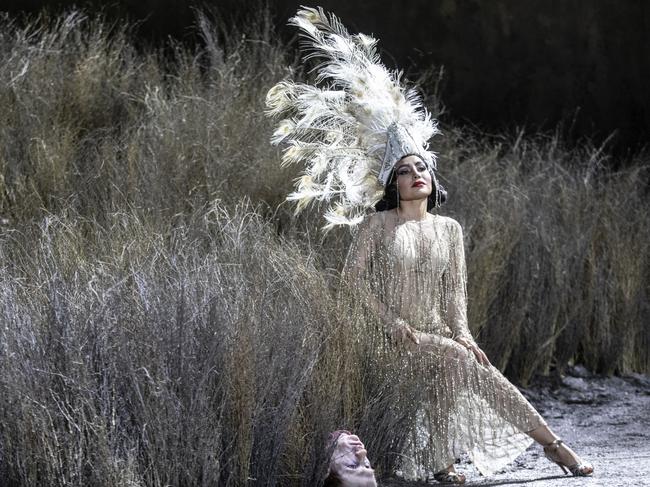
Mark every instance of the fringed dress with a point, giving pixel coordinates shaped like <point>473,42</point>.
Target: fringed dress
<point>414,272</point>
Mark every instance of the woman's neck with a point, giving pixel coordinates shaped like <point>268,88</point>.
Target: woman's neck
<point>412,210</point>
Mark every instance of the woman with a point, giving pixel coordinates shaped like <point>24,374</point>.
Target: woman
<point>411,268</point>
<point>348,462</point>
<point>364,141</point>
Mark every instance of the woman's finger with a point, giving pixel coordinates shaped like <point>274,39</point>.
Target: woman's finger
<point>477,353</point>
<point>411,334</point>
<point>484,359</point>
<point>481,358</point>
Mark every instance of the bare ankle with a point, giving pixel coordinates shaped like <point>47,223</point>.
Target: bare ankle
<point>542,435</point>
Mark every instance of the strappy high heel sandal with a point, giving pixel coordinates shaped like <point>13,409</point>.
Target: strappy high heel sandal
<point>445,477</point>
<point>580,469</point>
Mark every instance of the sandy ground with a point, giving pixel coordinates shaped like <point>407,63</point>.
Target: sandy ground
<point>605,420</point>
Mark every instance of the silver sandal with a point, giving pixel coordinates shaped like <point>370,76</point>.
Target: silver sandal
<point>445,477</point>
<point>579,469</point>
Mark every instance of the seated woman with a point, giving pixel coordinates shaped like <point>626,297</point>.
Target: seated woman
<point>364,140</point>
<point>349,465</point>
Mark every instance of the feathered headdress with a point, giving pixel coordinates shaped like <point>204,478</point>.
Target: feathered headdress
<point>352,127</point>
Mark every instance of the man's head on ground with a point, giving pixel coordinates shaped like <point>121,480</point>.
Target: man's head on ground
<point>349,465</point>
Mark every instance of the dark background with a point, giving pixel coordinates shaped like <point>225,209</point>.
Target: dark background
<point>507,63</point>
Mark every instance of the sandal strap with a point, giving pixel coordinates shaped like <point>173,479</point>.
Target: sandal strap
<point>576,469</point>
<point>556,443</point>
<point>445,476</point>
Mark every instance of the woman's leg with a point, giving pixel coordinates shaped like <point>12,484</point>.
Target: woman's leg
<point>458,374</point>
<point>544,436</point>
<point>459,367</point>
<point>461,371</point>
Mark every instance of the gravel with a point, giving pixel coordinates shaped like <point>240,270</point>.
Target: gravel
<point>606,420</point>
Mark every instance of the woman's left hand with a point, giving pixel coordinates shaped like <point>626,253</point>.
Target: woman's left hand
<point>474,348</point>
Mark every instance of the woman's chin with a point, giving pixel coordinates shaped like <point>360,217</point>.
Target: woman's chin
<point>416,194</point>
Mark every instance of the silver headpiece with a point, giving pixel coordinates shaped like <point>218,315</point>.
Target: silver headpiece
<point>352,127</point>
<point>401,143</point>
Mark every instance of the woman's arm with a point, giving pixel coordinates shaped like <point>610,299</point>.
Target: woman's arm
<point>358,275</point>
<point>456,282</point>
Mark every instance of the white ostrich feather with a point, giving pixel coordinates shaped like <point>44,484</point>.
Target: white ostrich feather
<point>337,130</point>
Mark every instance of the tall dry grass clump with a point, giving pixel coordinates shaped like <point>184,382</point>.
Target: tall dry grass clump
<point>557,249</point>
<point>88,121</point>
<point>164,321</point>
<point>207,352</point>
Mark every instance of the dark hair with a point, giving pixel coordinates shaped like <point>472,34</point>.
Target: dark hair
<point>333,479</point>
<point>389,201</point>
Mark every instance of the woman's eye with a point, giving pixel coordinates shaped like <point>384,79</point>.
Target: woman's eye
<point>353,465</point>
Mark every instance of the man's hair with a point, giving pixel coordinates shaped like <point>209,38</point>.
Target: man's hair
<point>333,479</point>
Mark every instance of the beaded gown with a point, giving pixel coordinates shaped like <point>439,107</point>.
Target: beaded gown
<point>414,272</point>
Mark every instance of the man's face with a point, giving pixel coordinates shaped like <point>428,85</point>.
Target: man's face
<point>350,462</point>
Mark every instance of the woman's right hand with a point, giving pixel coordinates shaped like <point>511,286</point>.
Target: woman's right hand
<point>404,334</point>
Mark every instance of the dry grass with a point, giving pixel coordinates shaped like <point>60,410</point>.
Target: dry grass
<point>557,252</point>
<point>165,322</point>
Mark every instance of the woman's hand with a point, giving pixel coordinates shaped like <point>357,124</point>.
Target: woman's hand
<point>474,348</point>
<point>403,334</point>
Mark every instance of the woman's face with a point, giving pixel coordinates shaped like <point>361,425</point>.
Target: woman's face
<point>350,463</point>
<point>413,179</point>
